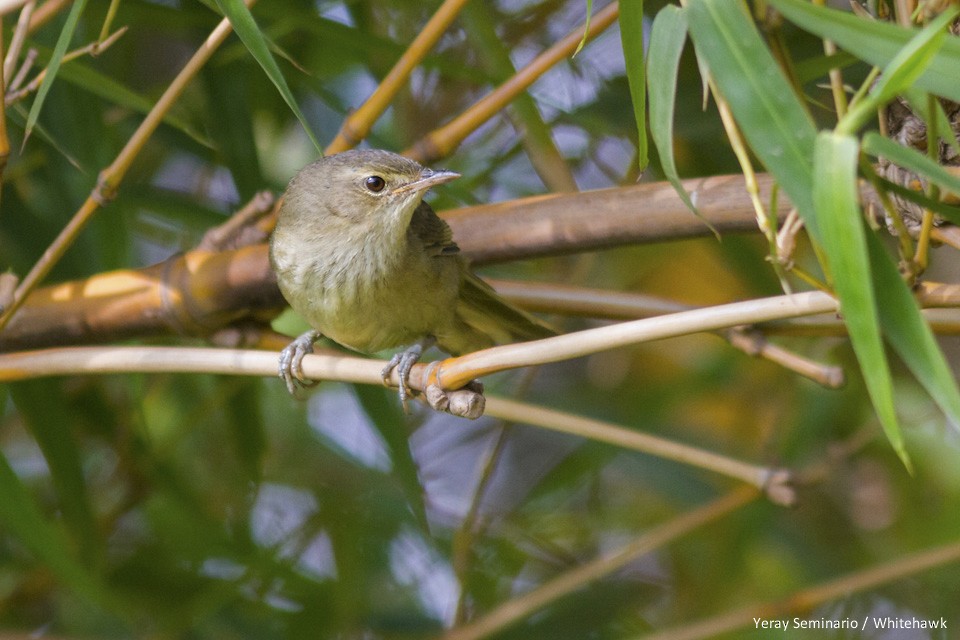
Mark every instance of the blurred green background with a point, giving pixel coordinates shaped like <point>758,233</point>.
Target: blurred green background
<point>201,506</point>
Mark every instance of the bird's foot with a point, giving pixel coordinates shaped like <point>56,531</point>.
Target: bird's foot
<point>403,362</point>
<point>466,402</point>
<point>291,361</point>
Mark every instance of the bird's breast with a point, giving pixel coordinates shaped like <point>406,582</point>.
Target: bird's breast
<point>367,294</point>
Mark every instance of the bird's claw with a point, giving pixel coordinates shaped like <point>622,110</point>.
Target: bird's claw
<point>290,367</point>
<point>403,362</point>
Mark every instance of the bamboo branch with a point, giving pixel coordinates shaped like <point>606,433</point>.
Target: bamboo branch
<point>94,309</point>
<point>199,292</point>
<point>454,373</point>
<point>356,127</point>
<point>443,141</point>
<point>534,134</point>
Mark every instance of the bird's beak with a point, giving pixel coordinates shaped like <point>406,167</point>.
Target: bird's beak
<point>428,178</point>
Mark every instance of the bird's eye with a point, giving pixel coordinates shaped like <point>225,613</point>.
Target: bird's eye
<point>374,183</point>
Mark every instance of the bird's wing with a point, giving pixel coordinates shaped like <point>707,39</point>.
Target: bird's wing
<point>480,307</point>
<point>486,317</point>
<point>433,233</point>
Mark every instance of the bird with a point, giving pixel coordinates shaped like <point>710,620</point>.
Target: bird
<point>368,264</point>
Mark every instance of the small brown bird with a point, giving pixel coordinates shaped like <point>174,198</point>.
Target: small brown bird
<point>367,263</point>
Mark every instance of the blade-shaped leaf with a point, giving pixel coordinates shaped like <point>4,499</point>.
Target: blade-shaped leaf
<point>20,516</point>
<point>106,87</point>
<point>63,41</point>
<point>47,416</point>
<point>586,28</point>
<point>667,37</point>
<point>913,59</point>
<point>844,242</point>
<point>386,416</point>
<point>910,335</point>
<point>631,36</point>
<point>920,199</point>
<point>248,31</point>
<point>901,74</point>
<point>878,145</point>
<point>876,42</point>
<point>772,119</point>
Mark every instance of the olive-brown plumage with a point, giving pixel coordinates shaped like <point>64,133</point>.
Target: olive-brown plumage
<point>368,264</point>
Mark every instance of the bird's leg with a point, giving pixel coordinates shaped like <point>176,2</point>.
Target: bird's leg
<point>403,362</point>
<point>291,360</point>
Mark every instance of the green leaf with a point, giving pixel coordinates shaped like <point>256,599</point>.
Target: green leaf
<point>21,517</point>
<point>911,159</point>
<point>41,404</point>
<point>876,42</point>
<point>771,117</point>
<point>631,37</point>
<point>106,87</point>
<point>667,37</point>
<point>63,41</point>
<point>384,412</point>
<point>248,31</point>
<point>920,199</point>
<point>586,28</point>
<point>900,74</point>
<point>813,68</point>
<point>910,335</point>
<point>911,61</point>
<point>836,196</point>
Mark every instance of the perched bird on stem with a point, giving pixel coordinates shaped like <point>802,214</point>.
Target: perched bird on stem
<point>368,264</point>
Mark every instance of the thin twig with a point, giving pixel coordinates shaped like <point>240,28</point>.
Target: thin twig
<point>89,49</point>
<point>28,62</point>
<point>105,29</point>
<point>240,229</point>
<point>774,481</point>
<point>16,43</point>
<point>465,535</point>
